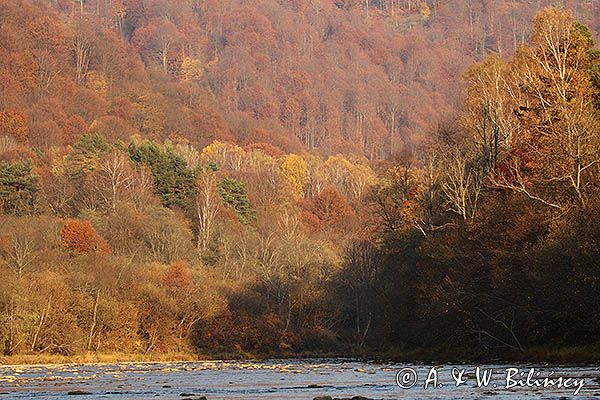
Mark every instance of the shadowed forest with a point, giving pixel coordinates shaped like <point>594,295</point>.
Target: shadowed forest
<point>263,178</point>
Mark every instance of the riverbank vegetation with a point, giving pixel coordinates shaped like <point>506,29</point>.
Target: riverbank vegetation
<point>156,203</point>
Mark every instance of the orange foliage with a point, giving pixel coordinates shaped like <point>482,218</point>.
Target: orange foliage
<point>14,123</point>
<point>266,148</point>
<point>178,276</point>
<point>79,236</point>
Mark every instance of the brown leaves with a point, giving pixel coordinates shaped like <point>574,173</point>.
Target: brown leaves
<point>327,210</point>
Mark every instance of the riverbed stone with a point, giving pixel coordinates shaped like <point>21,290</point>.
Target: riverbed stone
<point>341,398</point>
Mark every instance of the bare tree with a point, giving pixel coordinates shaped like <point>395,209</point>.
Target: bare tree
<point>82,47</point>
<point>113,177</point>
<point>207,207</point>
<point>462,185</point>
<point>21,253</point>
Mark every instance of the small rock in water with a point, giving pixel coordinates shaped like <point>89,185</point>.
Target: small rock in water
<point>193,396</point>
<point>314,386</point>
<point>353,398</point>
<point>323,398</point>
<point>166,386</point>
<point>78,393</point>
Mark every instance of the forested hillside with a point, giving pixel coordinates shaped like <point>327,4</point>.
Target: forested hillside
<point>336,76</point>
<point>276,177</point>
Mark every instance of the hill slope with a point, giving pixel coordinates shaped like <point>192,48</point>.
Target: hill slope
<point>336,76</point>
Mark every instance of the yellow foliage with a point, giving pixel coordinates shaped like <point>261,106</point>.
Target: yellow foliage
<point>295,173</point>
<point>225,155</point>
<point>97,82</point>
<point>192,69</point>
<point>59,166</point>
<point>350,178</point>
<point>259,161</point>
<point>425,11</point>
<point>316,176</point>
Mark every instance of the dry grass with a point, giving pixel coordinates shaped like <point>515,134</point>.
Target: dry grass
<point>95,358</point>
<point>565,355</point>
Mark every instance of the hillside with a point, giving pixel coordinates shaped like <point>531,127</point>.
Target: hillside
<point>371,78</point>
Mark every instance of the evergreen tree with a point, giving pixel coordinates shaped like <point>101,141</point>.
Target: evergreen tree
<point>174,182</point>
<point>18,186</point>
<point>235,194</point>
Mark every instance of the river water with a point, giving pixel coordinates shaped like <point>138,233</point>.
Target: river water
<point>275,379</point>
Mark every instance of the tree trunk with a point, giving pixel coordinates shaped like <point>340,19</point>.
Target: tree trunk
<point>94,320</point>
<point>39,328</point>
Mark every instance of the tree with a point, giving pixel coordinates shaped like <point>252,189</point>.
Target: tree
<point>167,235</point>
<point>557,151</point>
<point>113,177</point>
<point>192,69</point>
<point>462,185</point>
<point>348,177</point>
<point>178,278</point>
<point>207,207</point>
<point>86,154</point>
<point>234,194</point>
<point>83,47</point>
<point>79,236</point>
<point>295,174</point>
<point>327,210</point>
<point>390,194</point>
<point>174,182</point>
<point>18,187</point>
<point>13,123</point>
<point>22,242</point>
<point>156,40</point>
<point>490,117</point>
<point>224,155</point>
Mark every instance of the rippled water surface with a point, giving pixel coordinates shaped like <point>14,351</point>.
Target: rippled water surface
<point>279,379</point>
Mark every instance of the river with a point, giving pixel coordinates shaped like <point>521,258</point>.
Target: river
<point>276,379</point>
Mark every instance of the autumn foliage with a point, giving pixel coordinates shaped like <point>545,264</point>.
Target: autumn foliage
<point>328,209</point>
<point>14,124</point>
<point>79,236</point>
<point>259,177</point>
<point>178,276</point>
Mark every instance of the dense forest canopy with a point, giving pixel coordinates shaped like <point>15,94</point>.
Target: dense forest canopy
<point>366,77</point>
<point>272,177</point>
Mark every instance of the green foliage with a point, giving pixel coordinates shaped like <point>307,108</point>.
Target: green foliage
<point>585,32</point>
<point>174,181</point>
<point>85,154</point>
<point>234,193</point>
<point>18,186</point>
